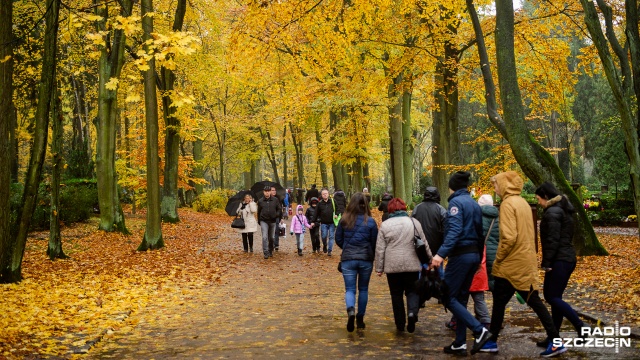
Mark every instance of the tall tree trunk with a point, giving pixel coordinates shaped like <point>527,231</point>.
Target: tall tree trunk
<point>534,160</point>
<point>336,168</point>
<point>13,141</point>
<point>169,206</point>
<point>109,66</point>
<point>271,154</point>
<point>407,146</point>
<point>395,136</point>
<point>13,272</point>
<point>284,157</point>
<point>6,140</point>
<point>439,136</point>
<point>153,232</point>
<point>54,250</point>
<point>297,145</point>
<point>624,81</point>
<point>197,157</point>
<point>323,164</point>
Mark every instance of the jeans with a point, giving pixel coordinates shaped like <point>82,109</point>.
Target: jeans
<point>457,281</point>
<point>480,307</point>
<point>555,282</point>
<point>399,284</point>
<point>268,232</point>
<point>247,241</point>
<point>357,271</point>
<point>314,232</point>
<point>300,241</point>
<point>328,230</point>
<point>503,292</point>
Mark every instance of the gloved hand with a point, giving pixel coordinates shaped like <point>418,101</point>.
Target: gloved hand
<point>291,233</point>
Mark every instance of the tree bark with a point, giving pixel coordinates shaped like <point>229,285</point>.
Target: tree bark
<point>271,154</point>
<point>197,157</point>
<point>153,232</point>
<point>54,250</point>
<point>537,164</point>
<point>297,145</point>
<point>395,136</point>
<point>13,273</point>
<point>169,206</point>
<point>284,158</point>
<point>323,165</point>
<point>6,129</point>
<point>336,168</point>
<point>407,146</point>
<point>110,66</point>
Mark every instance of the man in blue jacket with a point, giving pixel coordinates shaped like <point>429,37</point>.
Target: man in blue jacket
<point>463,242</point>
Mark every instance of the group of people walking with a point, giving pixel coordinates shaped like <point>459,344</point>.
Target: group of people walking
<point>485,250</point>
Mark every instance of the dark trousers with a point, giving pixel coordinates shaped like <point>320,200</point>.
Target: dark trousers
<point>555,282</point>
<point>247,241</point>
<point>403,284</point>
<point>315,237</point>
<point>503,292</point>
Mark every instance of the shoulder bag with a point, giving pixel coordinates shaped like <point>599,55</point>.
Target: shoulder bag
<point>419,244</point>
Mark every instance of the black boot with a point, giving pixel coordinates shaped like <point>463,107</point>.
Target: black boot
<point>245,243</point>
<point>352,316</point>
<point>360,321</point>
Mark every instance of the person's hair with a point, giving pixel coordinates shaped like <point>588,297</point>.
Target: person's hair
<point>396,204</point>
<point>357,206</point>
<point>548,191</point>
<point>249,195</point>
<point>323,190</point>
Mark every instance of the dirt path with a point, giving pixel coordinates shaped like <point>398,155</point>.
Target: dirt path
<point>292,307</point>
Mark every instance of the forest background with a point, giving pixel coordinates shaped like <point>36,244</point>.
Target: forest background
<point>155,102</point>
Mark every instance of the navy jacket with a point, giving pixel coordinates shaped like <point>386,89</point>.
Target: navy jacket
<point>463,228</point>
<point>358,243</point>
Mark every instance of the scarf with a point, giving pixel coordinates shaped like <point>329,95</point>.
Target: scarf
<point>398,214</point>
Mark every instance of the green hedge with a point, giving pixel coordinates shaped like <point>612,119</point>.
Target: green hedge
<point>78,198</point>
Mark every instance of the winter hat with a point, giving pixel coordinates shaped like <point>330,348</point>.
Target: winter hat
<point>459,180</point>
<point>547,191</point>
<point>299,208</point>
<point>485,200</point>
<point>313,200</point>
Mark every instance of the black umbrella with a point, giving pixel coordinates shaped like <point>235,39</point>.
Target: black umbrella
<point>258,189</point>
<point>235,201</point>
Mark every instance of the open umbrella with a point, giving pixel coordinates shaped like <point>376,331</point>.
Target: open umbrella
<point>258,189</point>
<point>236,200</point>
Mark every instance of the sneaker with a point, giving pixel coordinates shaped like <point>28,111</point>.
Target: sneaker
<point>480,340</point>
<point>553,350</point>
<point>329,253</point>
<point>300,252</point>
<point>277,248</point>
<point>543,343</point>
<point>451,325</point>
<point>352,317</point>
<point>266,256</point>
<point>411,323</point>
<point>360,321</point>
<point>456,350</point>
<point>490,347</point>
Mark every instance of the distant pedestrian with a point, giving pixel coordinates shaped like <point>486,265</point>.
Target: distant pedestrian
<point>356,235</point>
<point>247,210</point>
<point>515,268</point>
<point>299,197</point>
<point>463,244</point>
<point>325,215</point>
<point>383,205</point>
<point>558,254</point>
<point>365,191</point>
<point>314,232</point>
<point>340,200</point>
<point>286,202</point>
<point>299,224</point>
<point>313,192</point>
<point>269,211</point>
<point>396,256</point>
<point>490,223</point>
<point>432,216</point>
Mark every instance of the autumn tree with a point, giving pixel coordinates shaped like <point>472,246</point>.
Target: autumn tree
<point>6,114</point>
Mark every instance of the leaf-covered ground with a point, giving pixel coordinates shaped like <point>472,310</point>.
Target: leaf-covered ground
<point>202,296</point>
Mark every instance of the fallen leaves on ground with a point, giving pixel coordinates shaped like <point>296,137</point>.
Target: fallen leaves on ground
<point>64,306</point>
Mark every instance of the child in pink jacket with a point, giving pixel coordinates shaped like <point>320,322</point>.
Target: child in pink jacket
<point>298,224</point>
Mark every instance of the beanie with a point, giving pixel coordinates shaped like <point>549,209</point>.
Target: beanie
<point>485,200</point>
<point>547,191</point>
<point>459,180</point>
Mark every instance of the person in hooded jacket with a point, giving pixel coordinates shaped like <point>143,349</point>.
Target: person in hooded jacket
<point>384,202</point>
<point>298,224</point>
<point>314,232</point>
<point>432,216</point>
<point>491,224</point>
<point>356,235</point>
<point>558,254</point>
<point>341,201</point>
<point>515,268</point>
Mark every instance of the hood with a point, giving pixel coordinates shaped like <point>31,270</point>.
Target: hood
<point>299,208</point>
<point>562,201</point>
<point>509,183</point>
<point>387,197</point>
<point>338,193</point>
<point>490,211</point>
<point>431,194</point>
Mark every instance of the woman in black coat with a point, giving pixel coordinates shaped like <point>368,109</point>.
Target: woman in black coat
<point>558,254</point>
<point>383,205</point>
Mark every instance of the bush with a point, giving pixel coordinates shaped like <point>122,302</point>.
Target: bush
<point>212,200</point>
<point>78,197</point>
<point>611,217</point>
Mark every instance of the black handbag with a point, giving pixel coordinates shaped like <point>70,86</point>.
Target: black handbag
<point>340,266</point>
<point>238,223</point>
<point>421,249</point>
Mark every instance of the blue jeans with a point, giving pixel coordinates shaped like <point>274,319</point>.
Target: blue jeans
<point>360,271</point>
<point>268,231</point>
<point>457,280</point>
<point>300,241</point>
<point>331,230</point>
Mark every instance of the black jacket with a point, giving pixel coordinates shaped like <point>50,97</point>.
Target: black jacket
<point>432,216</point>
<point>358,243</point>
<point>341,201</point>
<point>310,214</point>
<point>383,206</point>
<point>324,212</point>
<point>556,232</point>
<point>269,210</point>
<point>312,193</point>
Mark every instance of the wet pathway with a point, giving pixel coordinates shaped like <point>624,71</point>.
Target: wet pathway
<point>292,307</point>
